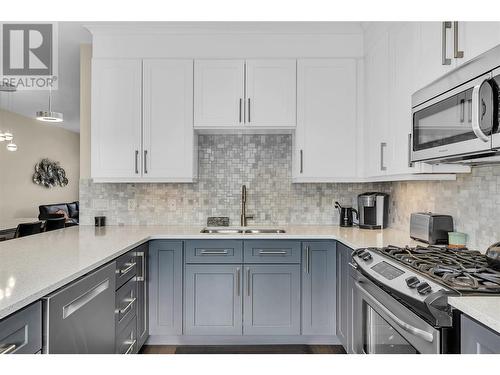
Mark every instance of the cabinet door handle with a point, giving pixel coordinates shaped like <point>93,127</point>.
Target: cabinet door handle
<point>142,255</point>
<point>462,110</point>
<point>301,161</point>
<point>241,102</point>
<point>238,281</point>
<point>410,164</point>
<point>308,261</point>
<point>136,161</point>
<point>279,252</point>
<point>9,348</point>
<point>382,146</point>
<point>131,347</point>
<point>145,161</point>
<point>130,303</point>
<point>445,59</point>
<point>248,281</point>
<point>215,252</point>
<point>248,110</point>
<point>458,54</point>
<point>126,269</point>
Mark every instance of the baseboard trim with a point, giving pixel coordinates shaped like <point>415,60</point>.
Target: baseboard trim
<point>241,340</point>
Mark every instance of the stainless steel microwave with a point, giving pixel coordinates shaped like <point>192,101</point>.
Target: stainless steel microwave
<point>456,118</point>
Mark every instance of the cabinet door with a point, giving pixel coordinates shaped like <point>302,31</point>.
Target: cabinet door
<point>318,288</point>
<point>116,119</point>
<point>168,139</point>
<point>377,148</point>
<point>343,294</point>
<point>477,37</point>
<point>142,313</point>
<point>477,339</point>
<point>326,120</point>
<point>402,64</point>
<point>165,287</point>
<point>218,93</point>
<point>271,92</point>
<point>212,300</point>
<point>271,300</point>
<point>430,55</point>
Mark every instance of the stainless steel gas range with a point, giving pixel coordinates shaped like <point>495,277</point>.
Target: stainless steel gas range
<point>400,297</point>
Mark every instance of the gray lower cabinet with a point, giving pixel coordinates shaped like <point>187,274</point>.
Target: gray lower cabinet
<point>21,332</point>
<point>141,256</point>
<point>344,294</point>
<point>126,340</point>
<point>213,302</point>
<point>318,288</point>
<point>271,302</point>
<point>477,339</point>
<point>165,287</point>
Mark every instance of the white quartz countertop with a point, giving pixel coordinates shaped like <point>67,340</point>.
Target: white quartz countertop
<point>485,310</point>
<point>33,267</point>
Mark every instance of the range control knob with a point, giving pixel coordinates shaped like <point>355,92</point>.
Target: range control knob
<point>361,253</point>
<point>367,256</point>
<point>412,281</point>
<point>424,288</point>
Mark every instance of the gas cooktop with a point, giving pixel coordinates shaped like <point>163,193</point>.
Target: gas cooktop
<point>465,271</point>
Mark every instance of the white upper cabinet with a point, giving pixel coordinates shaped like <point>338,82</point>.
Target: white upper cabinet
<point>376,135</point>
<point>168,137</point>
<point>325,144</point>
<point>116,119</point>
<point>271,93</point>
<point>142,126</point>
<point>477,37</point>
<point>219,93</point>
<point>224,96</point>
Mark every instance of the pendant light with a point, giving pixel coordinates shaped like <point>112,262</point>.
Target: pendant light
<point>49,116</point>
<point>8,136</point>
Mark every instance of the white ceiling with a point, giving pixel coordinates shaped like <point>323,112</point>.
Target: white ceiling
<point>67,98</point>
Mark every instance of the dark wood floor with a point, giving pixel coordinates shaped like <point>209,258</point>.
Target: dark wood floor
<point>243,349</point>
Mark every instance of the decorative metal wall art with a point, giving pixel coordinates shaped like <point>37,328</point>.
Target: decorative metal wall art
<point>49,173</point>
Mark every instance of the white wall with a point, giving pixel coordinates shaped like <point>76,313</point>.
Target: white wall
<point>19,196</point>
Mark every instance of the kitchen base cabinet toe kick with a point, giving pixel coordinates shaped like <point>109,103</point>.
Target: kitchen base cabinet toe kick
<point>242,292</point>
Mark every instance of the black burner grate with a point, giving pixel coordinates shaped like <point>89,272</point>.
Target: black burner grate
<point>466,271</point>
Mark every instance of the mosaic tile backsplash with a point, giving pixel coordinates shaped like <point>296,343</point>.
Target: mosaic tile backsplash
<point>262,162</point>
<point>473,200</point>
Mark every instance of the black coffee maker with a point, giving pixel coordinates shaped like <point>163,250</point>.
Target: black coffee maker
<point>346,215</point>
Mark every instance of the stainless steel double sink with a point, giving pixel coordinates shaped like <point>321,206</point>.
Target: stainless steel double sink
<point>242,230</point>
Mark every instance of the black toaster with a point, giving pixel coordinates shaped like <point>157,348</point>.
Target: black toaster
<point>430,228</point>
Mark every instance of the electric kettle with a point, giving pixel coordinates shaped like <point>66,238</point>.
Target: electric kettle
<point>346,215</point>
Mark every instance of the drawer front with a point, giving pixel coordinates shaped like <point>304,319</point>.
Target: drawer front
<point>21,333</point>
<point>126,340</point>
<point>271,251</point>
<point>214,251</point>
<point>126,268</point>
<point>125,304</point>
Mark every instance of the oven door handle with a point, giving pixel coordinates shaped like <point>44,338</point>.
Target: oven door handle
<point>407,327</point>
<point>476,112</point>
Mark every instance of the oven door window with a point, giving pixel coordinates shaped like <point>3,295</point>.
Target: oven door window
<point>380,337</point>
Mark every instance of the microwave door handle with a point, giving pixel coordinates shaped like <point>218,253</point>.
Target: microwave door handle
<point>476,113</point>
<point>424,335</point>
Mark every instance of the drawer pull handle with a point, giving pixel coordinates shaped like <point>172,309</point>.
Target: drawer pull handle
<point>131,347</point>
<point>9,348</point>
<point>280,252</point>
<point>130,303</point>
<point>127,269</point>
<point>209,252</point>
<point>85,298</point>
